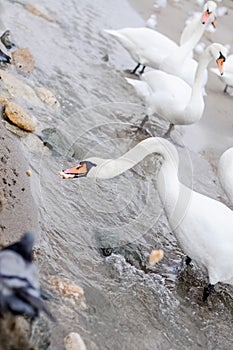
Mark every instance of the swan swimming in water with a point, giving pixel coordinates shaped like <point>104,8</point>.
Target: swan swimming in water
<point>225,172</point>
<point>171,98</point>
<point>202,225</point>
<point>150,48</point>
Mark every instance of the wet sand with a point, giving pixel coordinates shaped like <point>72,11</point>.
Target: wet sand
<point>18,212</point>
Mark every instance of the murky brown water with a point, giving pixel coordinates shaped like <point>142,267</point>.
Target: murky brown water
<point>130,306</point>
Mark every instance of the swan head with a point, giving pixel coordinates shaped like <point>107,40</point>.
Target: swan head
<point>218,52</point>
<point>80,170</point>
<point>209,10</point>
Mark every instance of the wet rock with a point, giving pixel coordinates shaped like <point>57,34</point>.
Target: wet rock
<point>40,334</point>
<point>13,86</point>
<point>133,253</point>
<point>19,117</point>
<point>23,60</point>
<point>38,13</point>
<point>47,97</point>
<point>54,139</point>
<point>73,341</point>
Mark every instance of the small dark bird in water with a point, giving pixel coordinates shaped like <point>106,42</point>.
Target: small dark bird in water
<point>5,39</point>
<point>19,283</point>
<point>4,58</point>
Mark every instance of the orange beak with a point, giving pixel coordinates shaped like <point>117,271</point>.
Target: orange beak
<point>220,62</point>
<point>79,170</point>
<point>205,17</point>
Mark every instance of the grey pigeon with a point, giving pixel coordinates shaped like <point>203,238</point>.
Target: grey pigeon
<point>19,282</point>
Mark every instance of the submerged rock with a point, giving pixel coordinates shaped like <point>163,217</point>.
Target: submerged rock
<point>23,60</point>
<point>17,88</point>
<point>47,97</point>
<point>73,341</point>
<point>19,117</point>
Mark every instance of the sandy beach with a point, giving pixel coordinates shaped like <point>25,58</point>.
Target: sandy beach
<point>124,306</point>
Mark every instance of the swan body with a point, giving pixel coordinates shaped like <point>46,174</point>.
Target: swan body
<point>227,79</point>
<point>225,172</point>
<point>171,98</point>
<point>151,48</point>
<point>202,225</point>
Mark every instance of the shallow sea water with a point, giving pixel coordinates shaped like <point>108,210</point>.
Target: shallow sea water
<point>129,304</point>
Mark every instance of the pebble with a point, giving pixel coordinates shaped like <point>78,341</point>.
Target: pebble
<point>156,256</point>
<point>23,60</point>
<point>19,117</point>
<point>28,172</point>
<point>47,97</point>
<point>73,341</point>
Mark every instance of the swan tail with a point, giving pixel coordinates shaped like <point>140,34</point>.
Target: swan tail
<point>141,87</point>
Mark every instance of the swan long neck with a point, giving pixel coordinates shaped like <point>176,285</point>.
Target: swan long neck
<point>195,107</point>
<point>174,196</point>
<point>178,55</point>
<point>109,168</point>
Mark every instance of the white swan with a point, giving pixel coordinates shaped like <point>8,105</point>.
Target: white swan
<point>228,73</point>
<point>202,225</point>
<point>225,172</point>
<point>171,98</point>
<point>150,48</point>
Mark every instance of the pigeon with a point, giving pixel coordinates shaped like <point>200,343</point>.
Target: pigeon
<point>6,40</point>
<point>4,58</point>
<point>19,282</point>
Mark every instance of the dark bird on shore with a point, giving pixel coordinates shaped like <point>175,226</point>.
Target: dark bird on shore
<point>4,58</point>
<point>19,283</point>
<point>5,39</point>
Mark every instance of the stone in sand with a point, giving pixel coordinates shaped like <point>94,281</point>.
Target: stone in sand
<point>19,117</point>
<point>73,341</point>
<point>23,60</point>
<point>47,97</point>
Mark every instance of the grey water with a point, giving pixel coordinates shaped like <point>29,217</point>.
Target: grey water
<point>130,305</point>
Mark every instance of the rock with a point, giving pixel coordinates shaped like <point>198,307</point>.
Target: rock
<point>28,172</point>
<point>40,335</point>
<point>23,60</point>
<point>47,97</point>
<point>17,88</point>
<point>73,341</point>
<point>19,117</point>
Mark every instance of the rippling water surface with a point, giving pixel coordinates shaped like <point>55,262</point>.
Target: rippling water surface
<point>130,305</point>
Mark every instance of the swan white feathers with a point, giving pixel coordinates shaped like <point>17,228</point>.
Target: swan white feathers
<point>171,98</point>
<point>150,48</point>
<point>202,225</point>
<point>225,172</point>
